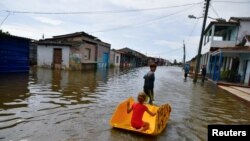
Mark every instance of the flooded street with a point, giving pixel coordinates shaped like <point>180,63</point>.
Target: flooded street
<point>47,105</point>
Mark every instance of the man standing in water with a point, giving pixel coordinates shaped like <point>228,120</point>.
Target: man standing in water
<point>203,72</point>
<point>149,79</point>
<point>186,71</point>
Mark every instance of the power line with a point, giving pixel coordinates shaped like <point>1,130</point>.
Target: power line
<point>233,1</point>
<point>191,33</point>
<point>142,23</point>
<point>214,11</point>
<point>102,12</point>
<point>188,39</point>
<point>4,19</point>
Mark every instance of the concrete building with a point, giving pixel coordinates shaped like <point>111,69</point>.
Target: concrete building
<point>75,51</point>
<point>132,58</point>
<point>223,54</point>
<point>53,55</point>
<point>115,58</point>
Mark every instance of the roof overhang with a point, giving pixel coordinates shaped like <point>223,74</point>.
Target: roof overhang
<point>220,24</point>
<point>235,50</point>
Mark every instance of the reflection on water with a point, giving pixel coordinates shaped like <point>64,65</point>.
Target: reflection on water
<point>13,90</point>
<point>74,105</point>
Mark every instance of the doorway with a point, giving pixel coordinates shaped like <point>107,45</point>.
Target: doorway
<point>57,58</point>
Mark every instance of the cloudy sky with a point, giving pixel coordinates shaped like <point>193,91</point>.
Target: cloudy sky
<point>156,28</point>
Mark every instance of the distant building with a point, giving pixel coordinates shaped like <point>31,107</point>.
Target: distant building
<point>157,61</point>
<point>132,58</point>
<point>76,51</point>
<point>14,53</point>
<point>115,58</point>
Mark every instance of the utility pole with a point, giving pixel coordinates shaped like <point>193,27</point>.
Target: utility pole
<point>184,55</point>
<point>201,40</point>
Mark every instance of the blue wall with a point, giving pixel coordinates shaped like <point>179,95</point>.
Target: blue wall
<point>14,54</point>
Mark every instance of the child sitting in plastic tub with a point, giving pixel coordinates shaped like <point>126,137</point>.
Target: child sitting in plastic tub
<point>138,111</point>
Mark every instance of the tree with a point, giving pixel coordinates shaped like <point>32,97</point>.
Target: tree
<point>4,33</point>
<point>175,62</point>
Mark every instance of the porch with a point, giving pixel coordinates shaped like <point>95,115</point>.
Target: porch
<point>230,64</point>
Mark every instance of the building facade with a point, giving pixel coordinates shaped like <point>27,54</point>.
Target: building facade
<point>224,55</point>
<point>115,58</point>
<point>83,51</point>
<point>53,55</point>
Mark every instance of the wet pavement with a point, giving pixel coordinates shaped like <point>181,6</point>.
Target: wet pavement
<point>240,92</point>
<point>73,106</point>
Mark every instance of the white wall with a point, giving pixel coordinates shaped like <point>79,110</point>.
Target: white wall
<point>117,55</point>
<point>206,47</point>
<point>244,57</point>
<point>247,76</point>
<point>244,29</point>
<point>45,55</point>
<point>222,43</point>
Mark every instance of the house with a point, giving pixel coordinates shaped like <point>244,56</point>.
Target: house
<point>132,58</point>
<point>168,63</point>
<point>157,61</point>
<point>114,58</point>
<point>14,53</point>
<point>53,54</point>
<point>224,54</point>
<point>81,51</point>
<point>233,63</point>
<point>192,65</point>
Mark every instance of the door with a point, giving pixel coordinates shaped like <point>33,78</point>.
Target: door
<point>247,75</point>
<point>57,58</point>
<point>105,59</point>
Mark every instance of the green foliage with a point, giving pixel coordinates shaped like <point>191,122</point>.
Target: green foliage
<point>228,75</point>
<point>4,33</point>
<point>111,65</point>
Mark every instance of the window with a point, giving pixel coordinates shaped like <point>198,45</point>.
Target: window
<point>117,59</point>
<point>87,54</point>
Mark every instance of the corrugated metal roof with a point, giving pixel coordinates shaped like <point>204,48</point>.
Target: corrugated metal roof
<point>236,49</point>
<point>57,43</point>
<point>87,36</point>
<point>13,36</point>
<point>237,19</point>
<point>128,50</point>
<point>75,34</point>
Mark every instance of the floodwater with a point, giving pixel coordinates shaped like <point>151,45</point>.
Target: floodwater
<point>47,105</point>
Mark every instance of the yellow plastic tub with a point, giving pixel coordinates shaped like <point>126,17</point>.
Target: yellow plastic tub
<point>121,119</point>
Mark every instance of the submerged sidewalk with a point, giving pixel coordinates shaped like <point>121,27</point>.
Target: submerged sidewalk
<point>241,92</point>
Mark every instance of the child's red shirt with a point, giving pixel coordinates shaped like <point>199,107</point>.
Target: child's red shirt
<point>138,111</point>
